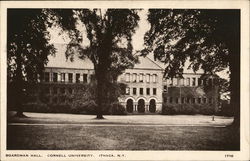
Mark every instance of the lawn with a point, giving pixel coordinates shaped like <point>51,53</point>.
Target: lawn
<point>78,137</point>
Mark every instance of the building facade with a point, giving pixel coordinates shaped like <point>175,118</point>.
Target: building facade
<point>147,90</point>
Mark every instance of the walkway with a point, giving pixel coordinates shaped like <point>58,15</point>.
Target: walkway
<point>128,120</point>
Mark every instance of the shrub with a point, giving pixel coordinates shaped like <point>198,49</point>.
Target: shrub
<point>187,109</point>
<point>118,109</point>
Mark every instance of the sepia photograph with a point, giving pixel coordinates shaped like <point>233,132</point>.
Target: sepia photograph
<point>118,79</point>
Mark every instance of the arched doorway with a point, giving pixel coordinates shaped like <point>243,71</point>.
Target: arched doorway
<point>141,106</point>
<point>152,106</point>
<point>129,106</point>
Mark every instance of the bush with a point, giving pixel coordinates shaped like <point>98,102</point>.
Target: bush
<point>226,110</point>
<point>85,108</point>
<point>118,109</point>
<point>187,109</point>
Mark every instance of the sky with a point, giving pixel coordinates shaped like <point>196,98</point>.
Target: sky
<point>137,40</point>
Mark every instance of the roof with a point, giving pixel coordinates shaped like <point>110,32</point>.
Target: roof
<point>59,61</point>
<point>147,63</point>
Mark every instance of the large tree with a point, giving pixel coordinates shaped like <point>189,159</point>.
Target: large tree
<point>27,51</point>
<point>209,39</point>
<point>109,33</point>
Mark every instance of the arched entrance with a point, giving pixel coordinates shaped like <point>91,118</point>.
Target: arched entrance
<point>141,106</point>
<point>152,106</point>
<point>129,106</point>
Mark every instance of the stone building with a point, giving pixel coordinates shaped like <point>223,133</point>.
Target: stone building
<point>146,92</point>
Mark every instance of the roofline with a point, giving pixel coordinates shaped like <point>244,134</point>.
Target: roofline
<point>154,62</point>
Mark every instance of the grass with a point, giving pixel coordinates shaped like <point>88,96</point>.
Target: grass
<point>78,137</point>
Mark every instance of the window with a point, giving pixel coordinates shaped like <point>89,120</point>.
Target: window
<point>193,82</point>
<point>182,100</point>
<point>77,77</point>
<point>188,81</point>
<point>154,78</point>
<point>171,100</point>
<point>154,91</point>
<point>134,77</point>
<point>148,91</point>
<point>127,91</point>
<point>134,91</point>
<point>147,78</point>
<point>165,89</point>
<point>46,76</point>
<point>199,100</point>
<point>54,77</point>
<point>141,91</point>
<point>70,77</point>
<point>174,81</point>
<point>127,77</point>
<point>204,100</point>
<point>141,78</point>
<point>193,100</point>
<point>188,100</point>
<point>171,82</point>
<point>62,77</point>
<point>177,100</point>
<point>199,82</point>
<point>85,78</point>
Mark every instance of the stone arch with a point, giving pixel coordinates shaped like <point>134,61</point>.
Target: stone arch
<point>141,105</point>
<point>152,105</point>
<point>130,98</point>
<point>145,100</point>
<point>129,105</point>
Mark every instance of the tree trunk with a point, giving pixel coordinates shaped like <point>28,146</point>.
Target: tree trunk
<point>100,92</point>
<point>18,87</point>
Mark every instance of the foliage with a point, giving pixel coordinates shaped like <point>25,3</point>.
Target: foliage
<point>110,49</point>
<point>209,39</point>
<point>187,109</point>
<point>27,50</point>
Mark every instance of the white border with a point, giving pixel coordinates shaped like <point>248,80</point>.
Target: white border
<point>138,155</point>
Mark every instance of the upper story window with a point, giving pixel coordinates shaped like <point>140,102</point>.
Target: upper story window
<point>193,81</point>
<point>134,91</point>
<point>127,77</point>
<point>199,82</point>
<point>188,82</point>
<point>141,91</point>
<point>134,77</point>
<point>70,77</point>
<point>165,89</point>
<point>85,78</point>
<point>77,77</point>
<point>55,77</point>
<point>127,92</point>
<point>148,91</point>
<point>154,91</point>
<point>141,77</point>
<point>154,78</point>
<point>147,78</point>
<point>62,77</point>
<point>174,81</point>
<point>46,76</point>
